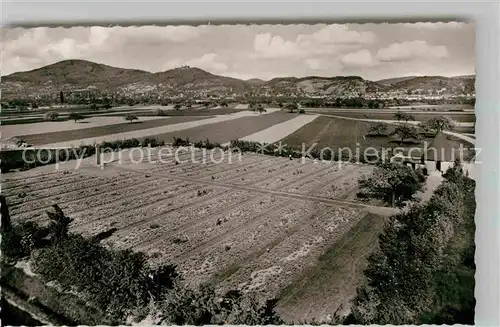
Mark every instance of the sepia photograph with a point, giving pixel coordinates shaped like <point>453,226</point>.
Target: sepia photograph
<point>239,174</point>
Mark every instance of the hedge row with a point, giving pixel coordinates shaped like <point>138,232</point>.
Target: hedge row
<point>29,158</point>
<point>423,272</point>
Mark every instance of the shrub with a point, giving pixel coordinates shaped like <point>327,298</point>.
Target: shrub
<point>423,272</point>
<point>302,111</point>
<point>50,116</point>
<point>130,118</point>
<point>76,116</point>
<point>178,141</point>
<point>130,143</point>
<point>153,142</point>
<point>159,112</point>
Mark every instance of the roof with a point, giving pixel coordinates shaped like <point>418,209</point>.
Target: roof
<point>448,148</point>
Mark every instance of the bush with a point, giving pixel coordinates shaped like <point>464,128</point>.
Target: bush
<point>423,272</point>
<point>153,142</point>
<point>50,116</point>
<point>159,112</point>
<point>178,141</point>
<point>302,111</point>
<point>130,118</point>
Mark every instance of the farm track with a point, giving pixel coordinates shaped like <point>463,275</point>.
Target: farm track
<point>159,216</point>
<point>320,134</point>
<point>187,224</point>
<point>375,209</point>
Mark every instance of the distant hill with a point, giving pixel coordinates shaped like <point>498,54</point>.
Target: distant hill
<point>81,74</point>
<point>447,84</point>
<point>255,81</point>
<point>330,86</point>
<point>392,81</point>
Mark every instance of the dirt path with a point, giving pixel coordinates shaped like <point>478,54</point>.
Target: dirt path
<point>383,211</point>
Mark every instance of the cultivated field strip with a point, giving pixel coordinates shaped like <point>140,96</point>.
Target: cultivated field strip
<point>293,253</point>
<point>151,240</point>
<point>42,185</point>
<point>156,218</point>
<point>88,187</point>
<point>135,235</point>
<point>343,185</point>
<point>331,176</point>
<point>212,255</point>
<point>12,183</point>
<point>142,207</point>
<point>64,185</point>
<point>90,202</point>
<point>251,204</point>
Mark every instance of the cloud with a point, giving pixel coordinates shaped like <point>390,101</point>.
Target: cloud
<point>331,39</point>
<point>209,61</point>
<point>411,50</point>
<point>43,45</point>
<point>268,46</point>
<point>435,26</point>
<point>361,58</point>
<point>312,63</point>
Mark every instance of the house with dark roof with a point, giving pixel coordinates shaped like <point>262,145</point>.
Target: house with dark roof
<point>445,150</point>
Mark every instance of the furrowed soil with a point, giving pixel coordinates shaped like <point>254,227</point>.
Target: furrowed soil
<point>260,224</point>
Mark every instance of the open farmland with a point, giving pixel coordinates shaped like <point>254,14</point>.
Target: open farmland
<point>338,133</point>
<point>388,114</point>
<point>257,223</point>
<point>71,133</point>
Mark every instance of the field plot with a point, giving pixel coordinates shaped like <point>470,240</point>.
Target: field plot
<point>62,126</point>
<point>76,131</point>
<point>337,133</point>
<point>220,128</point>
<point>226,131</point>
<point>258,224</point>
<point>384,114</point>
<point>279,131</point>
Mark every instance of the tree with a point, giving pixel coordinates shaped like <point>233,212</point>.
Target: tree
<point>50,116</point>
<point>61,96</point>
<point>107,103</point>
<point>6,222</point>
<point>183,306</point>
<point>402,116</point>
<point>76,116</point>
<point>59,224</point>
<point>378,129</point>
<point>393,183</point>
<point>291,107</point>
<point>159,112</point>
<point>406,132</point>
<point>131,118</point>
<point>440,123</point>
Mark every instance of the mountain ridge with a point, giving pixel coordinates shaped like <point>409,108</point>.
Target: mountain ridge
<point>81,74</point>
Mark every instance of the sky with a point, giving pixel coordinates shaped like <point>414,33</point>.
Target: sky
<point>372,51</point>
